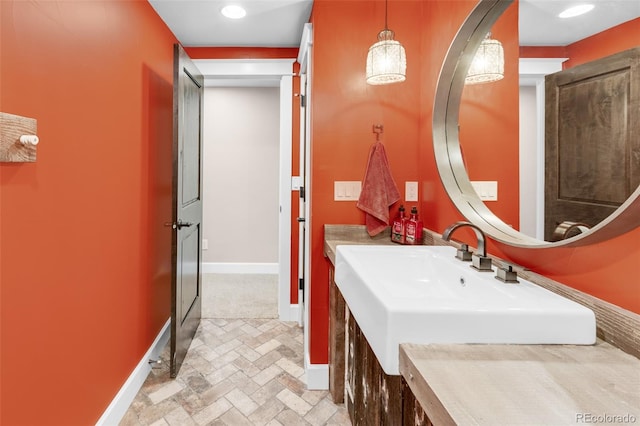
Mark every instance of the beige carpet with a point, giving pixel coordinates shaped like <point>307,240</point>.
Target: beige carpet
<point>240,296</point>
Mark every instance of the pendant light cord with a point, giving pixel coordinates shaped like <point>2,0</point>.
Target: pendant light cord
<point>386,5</point>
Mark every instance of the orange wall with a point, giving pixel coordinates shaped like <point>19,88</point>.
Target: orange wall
<point>85,266</point>
<point>241,52</point>
<point>621,37</point>
<point>489,128</point>
<point>543,51</point>
<point>295,195</point>
<point>614,40</point>
<point>344,109</point>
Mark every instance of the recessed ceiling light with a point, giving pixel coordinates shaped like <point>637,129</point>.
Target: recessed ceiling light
<point>233,11</point>
<point>576,11</point>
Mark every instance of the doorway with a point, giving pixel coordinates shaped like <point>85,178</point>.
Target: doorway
<point>241,205</point>
<point>532,176</point>
<point>273,74</point>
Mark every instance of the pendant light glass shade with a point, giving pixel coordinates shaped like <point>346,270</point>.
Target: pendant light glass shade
<point>386,60</point>
<point>488,63</point>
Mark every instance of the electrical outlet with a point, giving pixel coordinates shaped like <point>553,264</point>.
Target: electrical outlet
<point>296,183</point>
<point>205,244</point>
<point>411,191</point>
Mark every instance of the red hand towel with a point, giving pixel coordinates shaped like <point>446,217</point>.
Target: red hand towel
<point>379,191</point>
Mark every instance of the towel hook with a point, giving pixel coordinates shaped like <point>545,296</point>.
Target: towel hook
<point>378,129</point>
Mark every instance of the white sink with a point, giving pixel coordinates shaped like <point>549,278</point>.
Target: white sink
<point>423,294</point>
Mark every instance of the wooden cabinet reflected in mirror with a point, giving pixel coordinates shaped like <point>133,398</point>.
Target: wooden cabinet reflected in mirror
<point>592,148</point>
<point>531,198</point>
<point>484,121</point>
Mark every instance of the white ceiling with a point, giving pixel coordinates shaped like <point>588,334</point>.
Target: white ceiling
<point>278,23</point>
<point>540,26</point>
<point>269,23</point>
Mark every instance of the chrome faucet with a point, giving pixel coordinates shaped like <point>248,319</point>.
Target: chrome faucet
<point>478,261</point>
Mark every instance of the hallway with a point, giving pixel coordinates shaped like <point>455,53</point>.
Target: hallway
<point>237,372</point>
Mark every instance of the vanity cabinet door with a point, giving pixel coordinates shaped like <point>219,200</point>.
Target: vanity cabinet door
<point>360,378</point>
<point>390,398</point>
<point>413,413</point>
<point>372,397</point>
<point>355,376</point>
<point>351,366</point>
<point>336,341</point>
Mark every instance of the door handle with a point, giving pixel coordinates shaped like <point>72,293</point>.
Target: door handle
<point>182,224</point>
<point>301,219</point>
<point>178,225</point>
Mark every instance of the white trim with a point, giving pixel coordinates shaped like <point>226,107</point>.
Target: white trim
<point>284,218</point>
<point>294,312</point>
<point>125,396</point>
<point>247,68</point>
<point>532,73</point>
<point>317,375</point>
<point>535,68</point>
<point>540,157</point>
<point>244,72</point>
<point>239,268</point>
<point>305,42</point>
<point>307,49</point>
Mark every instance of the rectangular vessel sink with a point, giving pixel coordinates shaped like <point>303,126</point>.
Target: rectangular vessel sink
<point>423,294</point>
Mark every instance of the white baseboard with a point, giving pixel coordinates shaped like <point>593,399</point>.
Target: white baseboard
<point>317,375</point>
<point>240,268</point>
<point>293,314</point>
<point>125,396</point>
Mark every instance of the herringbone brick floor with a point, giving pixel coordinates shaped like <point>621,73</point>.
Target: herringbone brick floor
<point>237,372</point>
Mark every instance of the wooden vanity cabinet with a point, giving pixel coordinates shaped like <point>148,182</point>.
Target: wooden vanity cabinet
<point>373,397</point>
<point>336,341</point>
<point>412,412</point>
<point>356,378</point>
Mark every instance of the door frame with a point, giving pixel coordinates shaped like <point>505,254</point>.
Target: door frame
<point>532,72</point>
<point>317,374</point>
<point>267,73</point>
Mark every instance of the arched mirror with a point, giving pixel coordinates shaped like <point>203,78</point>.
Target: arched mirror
<point>453,137</point>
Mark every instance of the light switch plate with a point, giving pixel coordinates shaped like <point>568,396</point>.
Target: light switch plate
<point>487,190</point>
<point>296,183</point>
<point>346,190</point>
<point>411,191</point>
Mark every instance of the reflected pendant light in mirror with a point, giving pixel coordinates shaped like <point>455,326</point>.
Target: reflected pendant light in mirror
<point>386,60</point>
<point>488,62</point>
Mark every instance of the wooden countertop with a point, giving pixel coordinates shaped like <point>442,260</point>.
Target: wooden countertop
<point>523,384</point>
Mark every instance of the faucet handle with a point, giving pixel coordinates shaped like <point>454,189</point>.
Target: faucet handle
<point>463,253</point>
<point>507,274</point>
<point>481,263</point>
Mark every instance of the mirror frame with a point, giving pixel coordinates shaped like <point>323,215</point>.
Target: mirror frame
<point>446,145</point>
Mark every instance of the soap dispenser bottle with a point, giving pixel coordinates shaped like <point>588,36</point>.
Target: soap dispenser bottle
<point>413,233</point>
<point>398,227</point>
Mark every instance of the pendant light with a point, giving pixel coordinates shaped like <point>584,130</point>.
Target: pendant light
<point>488,62</point>
<point>386,60</point>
